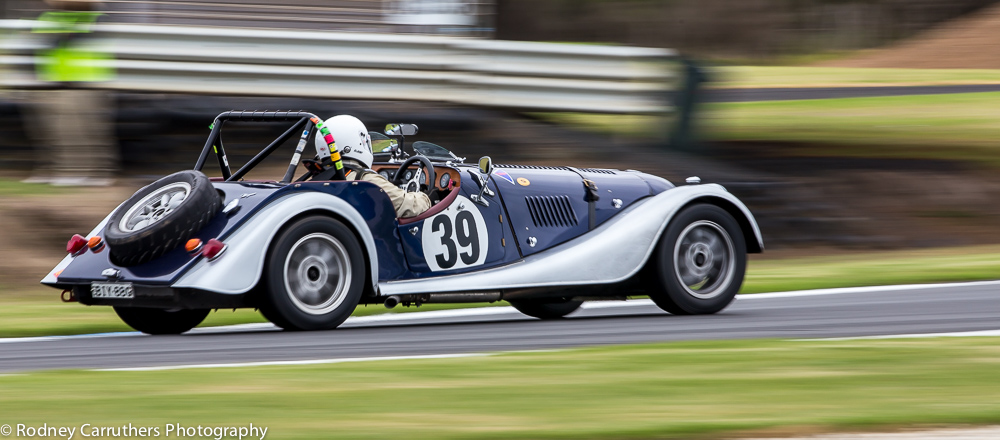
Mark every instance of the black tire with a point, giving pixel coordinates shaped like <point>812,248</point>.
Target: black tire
<point>546,310</point>
<point>134,244</point>
<point>306,286</point>
<point>161,321</point>
<point>712,263</point>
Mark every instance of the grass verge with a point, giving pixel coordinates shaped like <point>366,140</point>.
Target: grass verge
<point>962,126</point>
<point>799,76</point>
<point>947,127</point>
<point>669,391</point>
<point>972,263</point>
<point>38,312</point>
<point>9,187</point>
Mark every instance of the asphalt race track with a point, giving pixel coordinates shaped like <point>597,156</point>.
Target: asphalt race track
<point>817,314</point>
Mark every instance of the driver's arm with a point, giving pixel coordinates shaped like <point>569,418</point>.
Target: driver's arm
<point>407,204</point>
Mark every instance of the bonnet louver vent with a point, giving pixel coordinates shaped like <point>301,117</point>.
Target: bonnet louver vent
<point>531,167</point>
<point>597,170</point>
<point>551,211</point>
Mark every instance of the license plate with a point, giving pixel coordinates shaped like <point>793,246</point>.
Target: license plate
<point>112,290</point>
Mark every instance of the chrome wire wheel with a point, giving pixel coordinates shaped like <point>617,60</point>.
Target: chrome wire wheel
<point>317,273</point>
<point>704,259</point>
<point>154,207</point>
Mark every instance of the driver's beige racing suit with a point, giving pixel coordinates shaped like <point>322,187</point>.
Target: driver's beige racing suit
<point>407,204</point>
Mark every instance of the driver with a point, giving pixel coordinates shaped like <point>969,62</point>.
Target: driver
<point>355,146</point>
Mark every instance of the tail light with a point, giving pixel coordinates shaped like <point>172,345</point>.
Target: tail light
<point>76,244</point>
<point>212,249</point>
<point>96,243</point>
<point>193,245</point>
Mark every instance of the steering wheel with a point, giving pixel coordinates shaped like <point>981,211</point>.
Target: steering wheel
<point>413,185</point>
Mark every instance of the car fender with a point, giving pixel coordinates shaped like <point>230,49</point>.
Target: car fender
<point>612,252</point>
<point>50,278</point>
<point>242,264</point>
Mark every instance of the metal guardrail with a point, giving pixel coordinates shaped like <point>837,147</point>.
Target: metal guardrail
<point>506,74</point>
<point>437,17</point>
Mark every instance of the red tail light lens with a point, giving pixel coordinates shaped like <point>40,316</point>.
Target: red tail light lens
<point>76,244</point>
<point>212,249</point>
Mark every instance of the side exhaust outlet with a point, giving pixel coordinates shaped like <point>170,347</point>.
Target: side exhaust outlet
<point>391,302</point>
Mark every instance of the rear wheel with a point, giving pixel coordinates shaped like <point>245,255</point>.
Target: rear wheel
<point>699,263</point>
<point>546,310</point>
<point>315,275</point>
<point>161,321</point>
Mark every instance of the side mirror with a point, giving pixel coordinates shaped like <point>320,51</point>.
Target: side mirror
<point>485,165</point>
<point>401,129</point>
<point>485,169</point>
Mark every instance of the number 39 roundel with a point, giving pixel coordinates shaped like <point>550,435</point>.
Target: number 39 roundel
<point>456,237</point>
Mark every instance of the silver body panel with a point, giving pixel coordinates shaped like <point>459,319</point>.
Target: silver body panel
<point>243,264</point>
<point>610,253</point>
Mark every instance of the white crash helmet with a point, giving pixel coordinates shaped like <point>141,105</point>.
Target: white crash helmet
<point>351,137</point>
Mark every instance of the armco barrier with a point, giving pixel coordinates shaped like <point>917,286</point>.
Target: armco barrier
<point>525,76</point>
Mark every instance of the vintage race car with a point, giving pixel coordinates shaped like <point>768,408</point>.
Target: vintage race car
<point>306,251</point>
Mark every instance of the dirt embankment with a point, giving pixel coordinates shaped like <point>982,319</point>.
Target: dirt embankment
<point>971,42</point>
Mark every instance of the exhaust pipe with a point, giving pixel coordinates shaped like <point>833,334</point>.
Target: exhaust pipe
<point>391,301</point>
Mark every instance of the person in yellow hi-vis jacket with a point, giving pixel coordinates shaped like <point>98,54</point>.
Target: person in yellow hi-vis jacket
<point>70,123</point>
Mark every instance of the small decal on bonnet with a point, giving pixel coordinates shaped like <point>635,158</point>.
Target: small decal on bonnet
<point>503,175</point>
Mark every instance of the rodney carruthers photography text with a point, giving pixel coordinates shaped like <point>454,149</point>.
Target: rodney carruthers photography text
<point>170,430</point>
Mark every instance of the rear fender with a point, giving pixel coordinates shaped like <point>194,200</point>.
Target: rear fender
<point>50,278</point>
<point>242,265</point>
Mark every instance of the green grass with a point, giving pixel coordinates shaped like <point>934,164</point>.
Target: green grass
<point>668,391</point>
<point>974,263</point>
<point>950,127</point>
<point>16,188</point>
<point>39,312</point>
<point>798,76</point>
<point>958,126</point>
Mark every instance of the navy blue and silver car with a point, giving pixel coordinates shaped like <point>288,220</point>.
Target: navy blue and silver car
<point>306,252</point>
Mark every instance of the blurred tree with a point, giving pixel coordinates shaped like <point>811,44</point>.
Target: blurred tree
<point>727,28</point>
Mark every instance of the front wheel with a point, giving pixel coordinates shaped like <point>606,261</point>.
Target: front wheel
<point>161,321</point>
<point>315,275</point>
<point>699,263</point>
<point>546,310</point>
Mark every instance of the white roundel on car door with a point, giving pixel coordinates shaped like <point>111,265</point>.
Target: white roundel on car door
<point>456,237</point>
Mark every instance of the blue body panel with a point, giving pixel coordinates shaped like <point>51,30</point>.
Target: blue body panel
<point>501,248</point>
<point>561,181</point>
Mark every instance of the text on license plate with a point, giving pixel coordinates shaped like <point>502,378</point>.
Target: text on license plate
<point>112,290</point>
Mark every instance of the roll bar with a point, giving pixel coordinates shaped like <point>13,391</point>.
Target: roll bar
<point>305,122</point>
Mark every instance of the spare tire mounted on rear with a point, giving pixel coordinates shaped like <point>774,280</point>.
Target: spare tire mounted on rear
<point>160,217</point>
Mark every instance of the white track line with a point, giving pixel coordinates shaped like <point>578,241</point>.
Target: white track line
<point>494,311</point>
<point>977,333</point>
<point>870,289</point>
<point>299,362</point>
